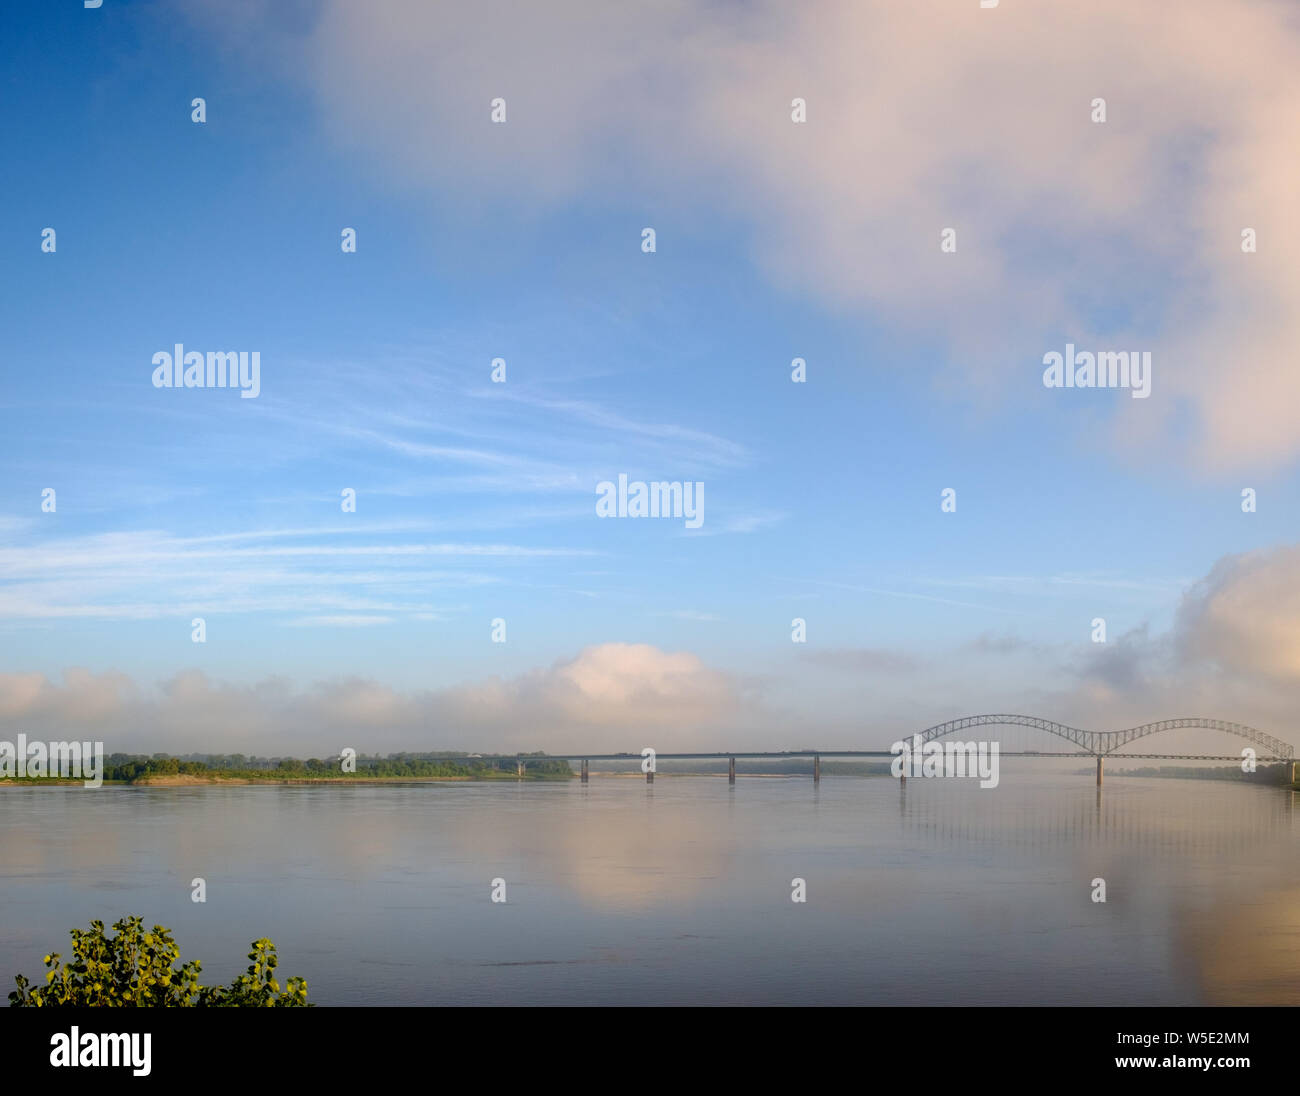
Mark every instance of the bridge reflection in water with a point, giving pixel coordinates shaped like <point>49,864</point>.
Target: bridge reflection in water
<point>1209,873</point>
<point>951,816</point>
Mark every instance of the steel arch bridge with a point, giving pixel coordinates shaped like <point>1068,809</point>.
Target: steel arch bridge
<point>1102,743</point>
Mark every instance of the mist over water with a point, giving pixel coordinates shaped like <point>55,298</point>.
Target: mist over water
<point>679,892</point>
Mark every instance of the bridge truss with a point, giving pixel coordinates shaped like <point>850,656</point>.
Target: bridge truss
<point>1102,743</point>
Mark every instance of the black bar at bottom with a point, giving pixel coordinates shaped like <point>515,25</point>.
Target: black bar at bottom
<point>1042,1046</point>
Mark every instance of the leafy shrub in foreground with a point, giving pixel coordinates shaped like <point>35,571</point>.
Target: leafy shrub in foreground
<point>134,969</point>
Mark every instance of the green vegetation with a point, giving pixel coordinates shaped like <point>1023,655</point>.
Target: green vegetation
<point>1266,773</point>
<point>130,769</point>
<point>134,970</point>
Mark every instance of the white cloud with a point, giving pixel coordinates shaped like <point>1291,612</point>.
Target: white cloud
<point>1234,654</point>
<point>921,116</point>
<point>607,698</point>
<point>1245,616</point>
<point>148,574</point>
<point>341,621</point>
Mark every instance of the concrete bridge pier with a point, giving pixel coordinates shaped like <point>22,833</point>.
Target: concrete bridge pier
<point>731,770</point>
<point>817,768</point>
<point>585,772</point>
<point>1288,772</point>
<point>520,770</point>
<point>1099,770</point>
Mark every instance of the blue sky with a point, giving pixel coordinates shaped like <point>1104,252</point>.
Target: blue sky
<point>476,500</point>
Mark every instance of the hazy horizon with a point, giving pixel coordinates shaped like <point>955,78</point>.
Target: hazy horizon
<point>395,543</point>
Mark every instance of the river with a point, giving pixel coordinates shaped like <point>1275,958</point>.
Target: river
<point>619,892</point>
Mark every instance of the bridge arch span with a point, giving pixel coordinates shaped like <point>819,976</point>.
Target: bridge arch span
<point>1102,743</point>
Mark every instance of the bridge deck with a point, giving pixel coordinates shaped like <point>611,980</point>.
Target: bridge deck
<point>776,755</point>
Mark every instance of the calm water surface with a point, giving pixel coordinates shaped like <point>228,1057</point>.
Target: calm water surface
<point>620,893</point>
